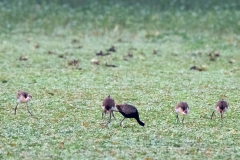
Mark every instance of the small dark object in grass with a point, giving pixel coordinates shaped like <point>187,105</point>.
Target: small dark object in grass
<point>21,58</point>
<point>4,81</point>
<point>129,111</point>
<point>75,41</point>
<point>73,62</point>
<point>51,52</point>
<point>110,65</point>
<point>203,68</point>
<point>220,107</point>
<point>108,105</point>
<point>182,108</point>
<point>61,56</point>
<point>193,68</point>
<point>129,55</point>
<point>214,55</point>
<point>217,54</point>
<point>95,61</point>
<point>232,61</point>
<point>112,49</point>
<point>154,52</point>
<point>102,54</point>
<point>37,46</point>
<point>51,93</point>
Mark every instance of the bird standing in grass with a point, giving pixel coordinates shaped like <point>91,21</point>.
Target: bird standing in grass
<point>23,97</point>
<point>221,107</point>
<point>129,111</point>
<point>108,105</point>
<point>182,108</point>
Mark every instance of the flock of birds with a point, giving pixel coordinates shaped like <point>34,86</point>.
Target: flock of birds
<point>127,110</point>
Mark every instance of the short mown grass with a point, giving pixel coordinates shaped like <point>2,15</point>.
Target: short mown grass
<point>36,54</point>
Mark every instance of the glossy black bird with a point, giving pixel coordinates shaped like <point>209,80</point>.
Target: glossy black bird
<point>129,111</point>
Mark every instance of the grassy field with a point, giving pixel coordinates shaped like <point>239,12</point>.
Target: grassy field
<point>48,50</point>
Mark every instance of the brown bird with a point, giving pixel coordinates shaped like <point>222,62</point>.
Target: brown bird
<point>182,108</point>
<point>108,105</point>
<point>221,107</point>
<point>129,111</point>
<point>23,97</point>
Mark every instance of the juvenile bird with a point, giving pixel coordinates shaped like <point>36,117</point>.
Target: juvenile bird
<point>182,108</point>
<point>108,105</point>
<point>23,97</point>
<point>129,111</point>
<point>221,107</point>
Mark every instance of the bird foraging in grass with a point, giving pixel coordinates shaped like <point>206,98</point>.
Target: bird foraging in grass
<point>129,111</point>
<point>23,97</point>
<point>182,108</point>
<point>108,105</point>
<point>221,107</point>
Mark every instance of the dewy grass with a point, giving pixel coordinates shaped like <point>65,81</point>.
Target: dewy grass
<point>152,73</point>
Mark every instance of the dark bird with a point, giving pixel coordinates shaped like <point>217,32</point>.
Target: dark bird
<point>108,105</point>
<point>102,54</point>
<point>112,49</point>
<point>110,65</point>
<point>221,107</point>
<point>182,108</point>
<point>129,111</point>
<point>23,97</point>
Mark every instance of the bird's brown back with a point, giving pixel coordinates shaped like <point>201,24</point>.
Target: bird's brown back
<point>222,104</point>
<point>108,103</point>
<point>182,105</point>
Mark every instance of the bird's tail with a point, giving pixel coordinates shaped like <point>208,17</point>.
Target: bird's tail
<point>140,122</point>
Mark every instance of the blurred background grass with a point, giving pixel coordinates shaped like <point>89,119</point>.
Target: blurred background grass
<point>50,17</point>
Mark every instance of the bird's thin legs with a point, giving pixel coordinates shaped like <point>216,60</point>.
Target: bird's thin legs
<point>28,110</point>
<point>212,114</point>
<point>15,109</point>
<point>182,119</point>
<point>177,118</point>
<point>113,115</point>
<point>121,122</point>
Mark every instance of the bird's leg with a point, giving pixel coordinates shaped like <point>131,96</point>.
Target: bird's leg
<point>212,114</point>
<point>15,109</point>
<point>113,115</point>
<point>102,114</point>
<point>28,110</point>
<point>121,122</point>
<point>221,116</point>
<point>177,118</point>
<point>110,117</point>
<point>182,119</point>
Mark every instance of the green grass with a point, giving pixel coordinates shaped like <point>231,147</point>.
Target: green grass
<point>67,99</point>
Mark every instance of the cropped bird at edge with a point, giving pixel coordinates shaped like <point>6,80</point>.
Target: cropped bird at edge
<point>23,97</point>
<point>182,108</point>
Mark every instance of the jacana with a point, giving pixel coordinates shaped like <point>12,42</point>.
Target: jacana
<point>23,97</point>
<point>108,105</point>
<point>220,107</point>
<point>129,111</point>
<point>182,108</point>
